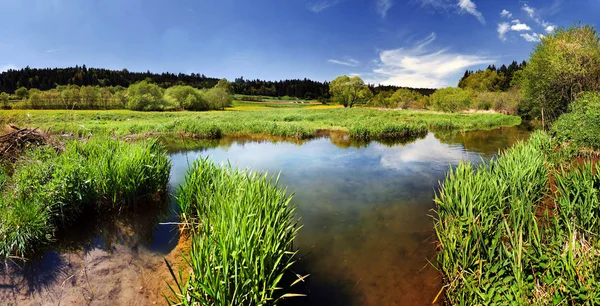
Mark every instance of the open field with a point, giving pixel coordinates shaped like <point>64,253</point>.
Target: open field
<point>298,123</point>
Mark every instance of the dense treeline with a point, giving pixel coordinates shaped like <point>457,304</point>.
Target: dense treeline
<point>492,78</point>
<point>50,78</point>
<point>142,96</point>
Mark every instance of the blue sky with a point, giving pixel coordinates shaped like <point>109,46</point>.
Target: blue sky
<point>418,43</point>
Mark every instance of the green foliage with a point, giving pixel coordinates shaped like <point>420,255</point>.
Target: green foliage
<point>581,126</point>
<point>451,99</point>
<point>186,97</point>
<point>22,93</point>
<point>4,100</point>
<point>506,102</point>
<point>144,96</point>
<point>503,241</point>
<point>50,189</point>
<point>218,98</point>
<point>226,85</point>
<point>486,80</point>
<point>349,91</point>
<point>387,131</point>
<point>242,226</point>
<point>562,65</point>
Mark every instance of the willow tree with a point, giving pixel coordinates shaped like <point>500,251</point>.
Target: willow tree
<point>562,65</point>
<point>349,90</point>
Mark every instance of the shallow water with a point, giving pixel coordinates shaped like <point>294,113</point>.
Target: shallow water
<point>366,239</point>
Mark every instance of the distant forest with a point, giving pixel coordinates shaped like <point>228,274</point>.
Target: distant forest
<point>504,74</point>
<point>49,78</point>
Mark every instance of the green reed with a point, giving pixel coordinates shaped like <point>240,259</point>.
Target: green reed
<point>505,238</point>
<point>49,189</point>
<point>242,226</point>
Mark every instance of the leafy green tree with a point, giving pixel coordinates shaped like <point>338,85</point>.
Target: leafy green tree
<point>486,80</point>
<point>144,96</point>
<point>218,98</point>
<point>4,100</point>
<point>226,85</point>
<point>186,97</point>
<point>89,97</point>
<point>22,93</point>
<point>382,99</point>
<point>349,91</point>
<point>562,65</point>
<point>404,98</point>
<point>451,99</point>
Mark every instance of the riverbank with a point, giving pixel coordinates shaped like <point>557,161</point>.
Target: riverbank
<point>522,228</point>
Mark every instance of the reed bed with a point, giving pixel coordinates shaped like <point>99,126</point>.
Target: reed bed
<point>298,123</point>
<point>242,226</point>
<point>517,231</point>
<point>50,189</point>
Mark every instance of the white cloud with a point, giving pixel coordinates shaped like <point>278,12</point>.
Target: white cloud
<point>505,14</point>
<point>7,67</point>
<point>383,6</point>
<point>346,62</point>
<point>532,37</point>
<point>503,28</point>
<point>317,7</point>
<point>548,26</point>
<point>517,26</point>
<point>529,10</point>
<point>470,7</point>
<point>51,50</point>
<point>420,66</point>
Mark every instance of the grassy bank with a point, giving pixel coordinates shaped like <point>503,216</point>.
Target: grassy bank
<point>46,189</point>
<point>298,123</point>
<point>242,227</point>
<point>522,229</point>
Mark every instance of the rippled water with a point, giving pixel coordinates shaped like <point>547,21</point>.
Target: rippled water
<point>366,239</point>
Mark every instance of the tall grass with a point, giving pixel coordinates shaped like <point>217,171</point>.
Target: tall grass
<point>242,227</point>
<point>508,236</point>
<point>297,123</point>
<point>49,189</point>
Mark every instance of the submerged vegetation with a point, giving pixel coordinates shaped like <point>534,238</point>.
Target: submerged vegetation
<point>46,189</point>
<point>242,226</point>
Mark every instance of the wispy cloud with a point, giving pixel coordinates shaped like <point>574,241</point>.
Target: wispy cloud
<point>470,7</point>
<point>51,50</point>
<point>461,7</point>
<point>383,6</point>
<point>317,7</point>
<point>532,37</point>
<point>529,10</point>
<point>191,11</point>
<point>435,4</point>
<point>506,14</point>
<point>503,28</point>
<point>347,61</point>
<point>421,65</point>
<point>532,12</point>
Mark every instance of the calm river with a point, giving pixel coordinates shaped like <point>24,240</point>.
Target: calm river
<point>367,235</point>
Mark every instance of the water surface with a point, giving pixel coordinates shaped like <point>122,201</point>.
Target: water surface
<point>366,239</point>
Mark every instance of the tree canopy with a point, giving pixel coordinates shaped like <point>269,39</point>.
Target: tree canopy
<point>349,91</point>
<point>562,65</point>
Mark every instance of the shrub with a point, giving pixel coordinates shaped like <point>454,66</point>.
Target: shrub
<point>581,126</point>
<point>144,96</point>
<point>451,99</point>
